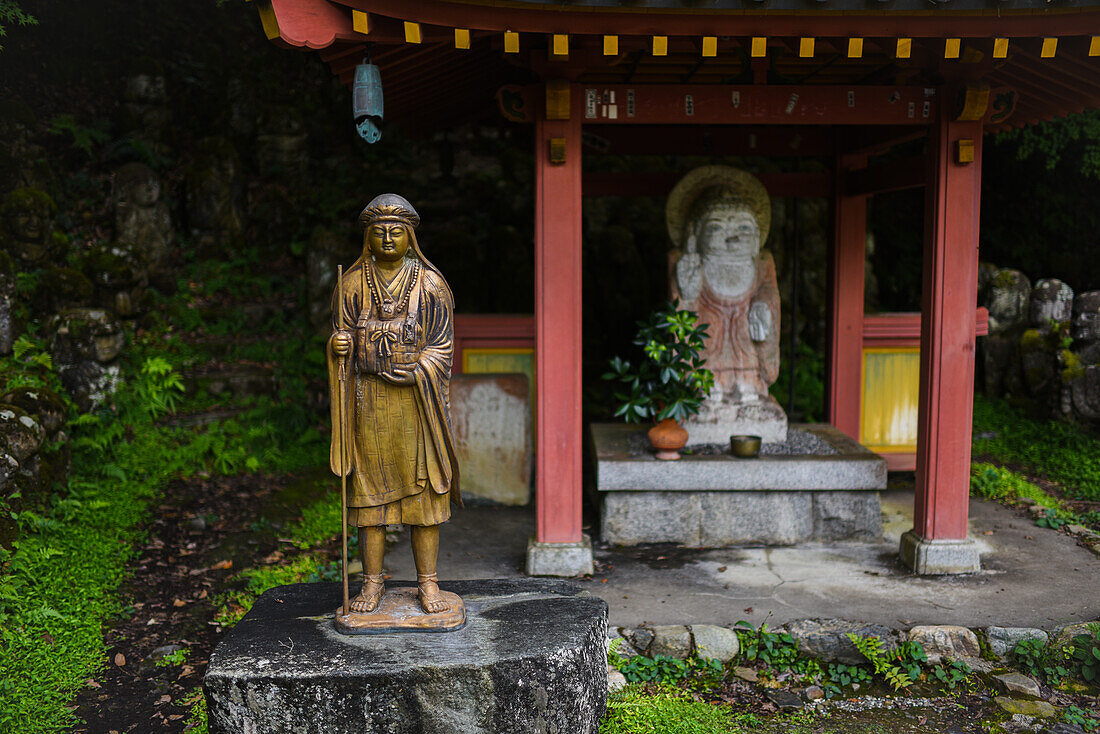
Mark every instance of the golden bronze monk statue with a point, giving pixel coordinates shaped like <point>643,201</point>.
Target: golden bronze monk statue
<point>389,367</point>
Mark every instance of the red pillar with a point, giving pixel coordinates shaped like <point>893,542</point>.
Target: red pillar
<point>558,433</point>
<point>937,543</point>
<point>846,290</point>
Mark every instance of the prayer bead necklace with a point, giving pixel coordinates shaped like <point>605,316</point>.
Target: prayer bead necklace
<point>386,305</point>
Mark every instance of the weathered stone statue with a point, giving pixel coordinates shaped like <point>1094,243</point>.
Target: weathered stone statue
<point>142,218</point>
<point>23,163</point>
<point>1081,379</point>
<point>85,344</point>
<point>1051,303</point>
<point>718,218</point>
<point>389,368</point>
<point>1049,312</point>
<point>211,183</point>
<point>281,142</point>
<point>26,226</point>
<point>144,113</point>
<point>1008,297</point>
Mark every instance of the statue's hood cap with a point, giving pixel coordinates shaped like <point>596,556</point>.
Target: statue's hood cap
<point>389,208</point>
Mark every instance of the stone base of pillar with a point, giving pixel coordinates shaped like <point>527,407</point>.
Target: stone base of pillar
<point>559,559</point>
<point>934,557</point>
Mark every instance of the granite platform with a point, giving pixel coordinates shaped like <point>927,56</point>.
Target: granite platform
<point>531,658</point>
<point>820,485</point>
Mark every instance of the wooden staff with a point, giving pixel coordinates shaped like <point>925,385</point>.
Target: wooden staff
<point>342,380</point>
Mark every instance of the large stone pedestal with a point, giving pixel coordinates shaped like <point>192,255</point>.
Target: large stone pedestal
<point>825,488</point>
<point>531,658</point>
<point>718,421</point>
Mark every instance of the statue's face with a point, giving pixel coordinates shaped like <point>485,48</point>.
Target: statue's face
<point>28,224</point>
<point>146,192</point>
<point>727,229</point>
<point>387,240</point>
<point>1086,324</point>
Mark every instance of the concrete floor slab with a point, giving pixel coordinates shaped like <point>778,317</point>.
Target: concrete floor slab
<point>1031,576</point>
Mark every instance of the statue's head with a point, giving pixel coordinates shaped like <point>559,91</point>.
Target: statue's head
<point>27,217</point>
<point>388,224</point>
<point>719,209</point>
<point>1086,316</point>
<point>136,184</point>
<point>722,223</point>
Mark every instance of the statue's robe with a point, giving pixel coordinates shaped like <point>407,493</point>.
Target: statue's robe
<point>730,352</point>
<point>397,446</point>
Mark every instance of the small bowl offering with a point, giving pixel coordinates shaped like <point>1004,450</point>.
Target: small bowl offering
<point>745,447</point>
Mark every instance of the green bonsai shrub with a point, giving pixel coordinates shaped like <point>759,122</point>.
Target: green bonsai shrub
<point>671,380</point>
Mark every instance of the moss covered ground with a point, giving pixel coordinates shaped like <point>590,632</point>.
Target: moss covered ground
<point>59,588</point>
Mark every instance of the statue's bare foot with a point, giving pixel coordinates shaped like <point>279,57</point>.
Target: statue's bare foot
<point>370,596</point>
<point>428,591</point>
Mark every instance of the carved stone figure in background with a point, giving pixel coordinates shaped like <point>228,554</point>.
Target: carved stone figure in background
<point>718,218</point>
<point>393,332</point>
<point>85,344</point>
<point>23,163</point>
<point>1049,311</point>
<point>281,142</point>
<point>211,194</point>
<point>141,216</point>
<point>1081,393</point>
<point>26,226</point>
<point>144,113</point>
<point>1008,298</point>
<point>1086,325</point>
<point>1051,302</point>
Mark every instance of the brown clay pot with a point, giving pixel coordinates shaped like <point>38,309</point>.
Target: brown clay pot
<point>668,437</point>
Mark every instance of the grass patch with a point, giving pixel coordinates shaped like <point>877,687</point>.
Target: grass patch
<point>320,521</point>
<point>259,579</point>
<point>1057,451</point>
<point>633,710</point>
<point>993,482</point>
<point>58,584</point>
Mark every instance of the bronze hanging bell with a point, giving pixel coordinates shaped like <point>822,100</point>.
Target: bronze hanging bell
<point>367,101</point>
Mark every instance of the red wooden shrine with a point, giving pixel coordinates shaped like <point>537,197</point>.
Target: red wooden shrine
<point>739,77</point>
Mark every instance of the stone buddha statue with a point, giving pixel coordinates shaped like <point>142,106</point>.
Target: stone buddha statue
<point>142,218</point>
<point>26,226</point>
<point>718,218</point>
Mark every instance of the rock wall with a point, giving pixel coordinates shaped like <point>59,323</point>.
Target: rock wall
<point>34,454</point>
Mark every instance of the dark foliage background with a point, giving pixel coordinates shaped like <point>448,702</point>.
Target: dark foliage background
<point>473,183</point>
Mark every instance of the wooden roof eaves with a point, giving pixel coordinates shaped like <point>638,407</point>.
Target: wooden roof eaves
<point>1037,90</point>
<point>1041,76</point>
<point>812,22</point>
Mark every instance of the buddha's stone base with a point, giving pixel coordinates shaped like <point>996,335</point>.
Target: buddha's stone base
<point>936,557</point>
<point>716,519</point>
<point>718,421</point>
<point>531,658</point>
<point>713,500</point>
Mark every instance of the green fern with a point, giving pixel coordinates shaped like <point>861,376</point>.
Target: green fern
<point>871,647</point>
